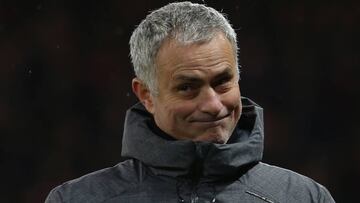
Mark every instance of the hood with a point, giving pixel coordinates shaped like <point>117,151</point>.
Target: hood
<point>177,158</point>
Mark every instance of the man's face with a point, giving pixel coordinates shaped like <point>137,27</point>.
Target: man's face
<point>198,93</point>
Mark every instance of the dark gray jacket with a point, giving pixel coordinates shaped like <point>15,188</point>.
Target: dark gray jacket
<point>163,170</point>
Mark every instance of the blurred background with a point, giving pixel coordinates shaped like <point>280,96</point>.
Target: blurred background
<point>65,77</point>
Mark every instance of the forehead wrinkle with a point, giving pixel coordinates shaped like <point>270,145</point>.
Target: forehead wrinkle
<point>198,57</point>
<point>198,60</point>
<point>193,54</point>
<point>201,62</point>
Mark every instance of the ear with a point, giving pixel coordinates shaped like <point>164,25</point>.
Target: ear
<point>143,94</point>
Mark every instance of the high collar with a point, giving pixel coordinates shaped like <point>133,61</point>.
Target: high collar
<point>164,156</point>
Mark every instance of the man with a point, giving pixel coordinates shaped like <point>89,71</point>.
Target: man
<point>191,138</point>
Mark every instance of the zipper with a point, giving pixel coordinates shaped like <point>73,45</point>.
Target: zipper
<point>259,196</point>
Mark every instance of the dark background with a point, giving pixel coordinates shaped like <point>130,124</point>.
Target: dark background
<point>65,77</point>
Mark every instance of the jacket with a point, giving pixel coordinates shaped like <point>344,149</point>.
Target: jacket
<point>163,170</point>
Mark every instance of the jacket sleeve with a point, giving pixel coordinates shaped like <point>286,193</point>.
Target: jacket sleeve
<point>325,196</point>
<point>54,196</point>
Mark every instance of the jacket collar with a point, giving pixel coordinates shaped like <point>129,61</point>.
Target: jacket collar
<point>165,156</point>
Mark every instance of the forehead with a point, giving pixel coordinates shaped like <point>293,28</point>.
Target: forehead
<point>175,57</point>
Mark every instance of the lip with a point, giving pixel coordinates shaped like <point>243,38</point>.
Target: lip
<point>211,122</point>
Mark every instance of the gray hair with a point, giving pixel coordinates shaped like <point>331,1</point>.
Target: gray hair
<point>185,22</point>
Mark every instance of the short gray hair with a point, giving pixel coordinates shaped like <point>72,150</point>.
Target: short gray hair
<point>185,22</point>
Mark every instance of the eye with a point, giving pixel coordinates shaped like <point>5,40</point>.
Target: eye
<point>222,80</point>
<point>186,87</point>
<point>223,84</point>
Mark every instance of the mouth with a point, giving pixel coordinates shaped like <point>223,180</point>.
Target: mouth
<point>211,121</point>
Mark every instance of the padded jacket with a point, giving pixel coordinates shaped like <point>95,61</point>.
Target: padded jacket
<point>163,170</point>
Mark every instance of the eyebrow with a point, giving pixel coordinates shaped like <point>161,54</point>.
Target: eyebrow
<point>187,78</point>
<point>227,72</point>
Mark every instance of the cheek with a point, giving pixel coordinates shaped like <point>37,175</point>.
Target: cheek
<point>232,99</point>
<point>180,110</point>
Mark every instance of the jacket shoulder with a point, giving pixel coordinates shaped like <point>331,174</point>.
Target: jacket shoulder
<point>99,185</point>
<point>284,185</point>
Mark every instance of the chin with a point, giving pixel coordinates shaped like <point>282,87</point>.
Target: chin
<point>221,140</point>
<point>213,138</point>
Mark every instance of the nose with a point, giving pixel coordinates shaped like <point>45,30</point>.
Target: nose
<point>210,102</point>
